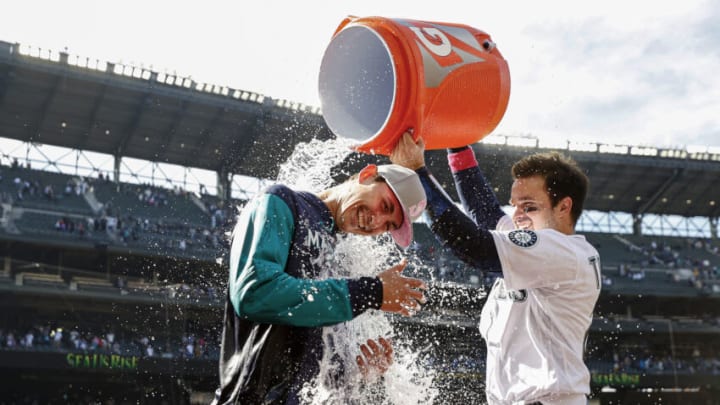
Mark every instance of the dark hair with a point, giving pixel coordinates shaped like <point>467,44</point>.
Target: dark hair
<point>563,178</point>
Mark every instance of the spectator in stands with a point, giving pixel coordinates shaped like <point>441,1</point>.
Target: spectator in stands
<point>186,348</point>
<point>49,193</point>
<point>80,228</point>
<point>57,336</point>
<point>68,188</point>
<point>10,340</point>
<point>278,299</point>
<point>27,341</point>
<point>538,314</point>
<point>19,186</point>
<point>149,350</point>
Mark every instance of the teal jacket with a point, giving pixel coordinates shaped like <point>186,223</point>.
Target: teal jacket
<point>280,293</point>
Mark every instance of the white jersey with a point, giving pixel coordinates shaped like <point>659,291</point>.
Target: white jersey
<point>536,317</point>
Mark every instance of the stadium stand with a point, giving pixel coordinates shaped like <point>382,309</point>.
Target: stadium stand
<point>125,199</point>
<point>113,292</point>
<point>44,190</point>
<point>155,219</point>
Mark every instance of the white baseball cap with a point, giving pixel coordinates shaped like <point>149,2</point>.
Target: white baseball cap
<point>408,189</point>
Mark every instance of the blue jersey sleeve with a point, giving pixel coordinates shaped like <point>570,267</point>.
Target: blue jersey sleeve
<point>476,195</point>
<point>259,287</point>
<point>468,241</point>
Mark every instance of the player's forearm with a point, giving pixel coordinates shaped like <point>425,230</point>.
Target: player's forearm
<point>437,199</point>
<point>475,193</point>
<point>471,243</point>
<point>468,242</point>
<point>365,293</point>
<point>285,300</point>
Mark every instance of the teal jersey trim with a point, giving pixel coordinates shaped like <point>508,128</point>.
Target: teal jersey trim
<point>260,289</point>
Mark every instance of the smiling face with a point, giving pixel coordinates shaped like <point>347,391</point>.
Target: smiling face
<point>533,207</point>
<point>561,179</point>
<point>368,209</point>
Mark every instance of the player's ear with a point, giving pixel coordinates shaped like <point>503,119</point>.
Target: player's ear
<point>565,205</point>
<point>368,174</point>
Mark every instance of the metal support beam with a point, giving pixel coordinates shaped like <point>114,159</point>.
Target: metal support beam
<point>258,128</point>
<point>223,185</point>
<point>34,130</point>
<point>92,121</point>
<point>204,145</point>
<point>5,78</point>
<point>659,192</point>
<point>637,224</point>
<point>172,129</point>
<point>132,127</point>
<point>117,160</point>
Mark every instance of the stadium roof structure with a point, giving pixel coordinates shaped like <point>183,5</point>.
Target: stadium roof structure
<point>59,99</point>
<point>668,182</point>
<point>55,98</point>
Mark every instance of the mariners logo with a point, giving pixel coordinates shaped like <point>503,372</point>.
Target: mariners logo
<point>523,237</point>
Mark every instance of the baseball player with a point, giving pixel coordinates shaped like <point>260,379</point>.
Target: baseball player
<point>278,300</point>
<point>538,312</point>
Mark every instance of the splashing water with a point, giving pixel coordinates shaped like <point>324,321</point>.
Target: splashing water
<point>407,381</point>
<point>309,167</point>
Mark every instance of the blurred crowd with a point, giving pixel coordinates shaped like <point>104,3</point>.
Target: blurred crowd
<point>160,227</point>
<point>58,339</point>
<point>688,261</point>
<point>645,360</point>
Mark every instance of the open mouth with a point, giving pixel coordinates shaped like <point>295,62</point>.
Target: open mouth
<point>523,223</point>
<point>361,219</point>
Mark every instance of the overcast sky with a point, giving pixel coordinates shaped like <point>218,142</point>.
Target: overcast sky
<point>613,71</point>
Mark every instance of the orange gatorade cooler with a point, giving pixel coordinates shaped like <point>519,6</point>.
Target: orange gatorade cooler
<point>380,77</point>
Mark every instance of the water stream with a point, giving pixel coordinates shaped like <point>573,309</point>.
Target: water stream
<point>408,381</point>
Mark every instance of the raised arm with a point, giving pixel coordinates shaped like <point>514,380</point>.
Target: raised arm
<point>476,194</point>
<point>472,243</point>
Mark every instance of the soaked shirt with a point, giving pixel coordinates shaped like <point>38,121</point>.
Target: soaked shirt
<point>277,305</point>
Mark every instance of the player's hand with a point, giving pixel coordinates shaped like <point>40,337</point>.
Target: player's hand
<point>375,357</point>
<point>408,152</point>
<point>401,295</point>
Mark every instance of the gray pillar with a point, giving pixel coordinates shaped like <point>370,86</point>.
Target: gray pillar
<point>637,224</point>
<point>223,185</point>
<point>116,168</point>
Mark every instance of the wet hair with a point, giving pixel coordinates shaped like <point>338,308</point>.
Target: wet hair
<point>563,178</point>
<point>354,177</point>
